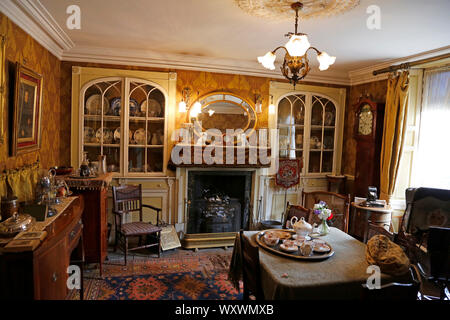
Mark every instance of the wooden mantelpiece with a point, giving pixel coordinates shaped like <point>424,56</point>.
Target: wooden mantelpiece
<point>243,156</point>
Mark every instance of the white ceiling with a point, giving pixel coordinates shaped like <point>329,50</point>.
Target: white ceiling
<point>216,33</point>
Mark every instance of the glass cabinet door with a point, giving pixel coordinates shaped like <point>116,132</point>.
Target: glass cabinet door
<point>291,117</point>
<point>146,128</point>
<point>322,132</point>
<point>102,121</point>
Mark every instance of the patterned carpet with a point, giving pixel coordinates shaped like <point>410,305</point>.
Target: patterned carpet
<point>177,275</point>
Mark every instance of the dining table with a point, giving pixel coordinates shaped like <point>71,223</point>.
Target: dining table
<point>338,277</point>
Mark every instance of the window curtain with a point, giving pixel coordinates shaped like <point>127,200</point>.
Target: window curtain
<point>433,152</point>
<point>395,121</point>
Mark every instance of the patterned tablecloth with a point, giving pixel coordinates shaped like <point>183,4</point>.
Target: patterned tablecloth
<point>338,277</point>
<point>95,183</point>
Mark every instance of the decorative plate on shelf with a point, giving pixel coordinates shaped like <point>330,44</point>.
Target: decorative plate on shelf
<point>314,142</point>
<point>117,135</point>
<point>329,118</point>
<point>116,107</point>
<point>328,142</point>
<point>89,135</point>
<point>140,136</point>
<point>107,135</point>
<point>134,108</point>
<point>155,109</point>
<point>94,104</point>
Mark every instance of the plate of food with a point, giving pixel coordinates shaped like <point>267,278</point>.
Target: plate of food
<point>280,234</point>
<point>107,135</point>
<point>154,110</point>
<point>140,136</point>
<point>94,104</point>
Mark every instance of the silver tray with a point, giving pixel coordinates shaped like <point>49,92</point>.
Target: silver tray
<point>295,255</point>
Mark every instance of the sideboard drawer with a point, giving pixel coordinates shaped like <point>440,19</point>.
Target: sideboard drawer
<point>74,235</point>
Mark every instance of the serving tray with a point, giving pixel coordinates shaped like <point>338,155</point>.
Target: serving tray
<point>295,255</point>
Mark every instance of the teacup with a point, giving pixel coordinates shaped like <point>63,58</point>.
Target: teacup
<point>270,239</point>
<point>306,249</point>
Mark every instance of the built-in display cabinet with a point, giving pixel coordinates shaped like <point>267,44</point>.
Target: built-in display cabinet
<point>127,116</point>
<point>310,123</point>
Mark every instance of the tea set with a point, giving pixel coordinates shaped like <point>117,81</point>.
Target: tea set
<point>300,242</point>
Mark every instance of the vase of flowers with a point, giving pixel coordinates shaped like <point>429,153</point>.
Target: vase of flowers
<point>323,213</point>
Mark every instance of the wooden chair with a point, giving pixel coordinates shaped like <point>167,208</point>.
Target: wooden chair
<point>338,203</point>
<point>251,274</point>
<point>296,211</point>
<point>395,291</point>
<point>128,199</point>
<point>373,230</point>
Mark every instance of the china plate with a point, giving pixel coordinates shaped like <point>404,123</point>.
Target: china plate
<point>133,108</point>
<point>321,247</point>
<point>288,248</point>
<point>94,105</point>
<point>140,136</point>
<point>329,118</point>
<point>107,135</point>
<point>89,135</point>
<point>116,106</point>
<point>280,234</point>
<point>117,135</point>
<point>154,110</point>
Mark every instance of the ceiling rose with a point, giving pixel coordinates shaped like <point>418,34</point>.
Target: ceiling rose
<point>281,9</point>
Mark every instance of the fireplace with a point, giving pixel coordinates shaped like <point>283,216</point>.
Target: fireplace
<point>219,201</point>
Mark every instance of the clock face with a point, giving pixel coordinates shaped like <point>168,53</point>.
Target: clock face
<point>365,120</point>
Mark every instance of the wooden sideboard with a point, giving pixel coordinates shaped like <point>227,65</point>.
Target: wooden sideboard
<point>42,274</point>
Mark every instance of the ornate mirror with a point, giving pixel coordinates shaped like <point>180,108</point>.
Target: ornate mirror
<point>222,111</point>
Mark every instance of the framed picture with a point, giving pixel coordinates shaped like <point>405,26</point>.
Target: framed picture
<point>26,126</point>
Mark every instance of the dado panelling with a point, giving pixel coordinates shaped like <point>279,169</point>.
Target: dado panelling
<point>20,47</point>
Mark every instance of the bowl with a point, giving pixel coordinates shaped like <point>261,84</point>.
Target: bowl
<point>270,239</point>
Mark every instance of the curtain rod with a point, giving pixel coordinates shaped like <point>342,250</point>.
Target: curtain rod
<point>408,65</point>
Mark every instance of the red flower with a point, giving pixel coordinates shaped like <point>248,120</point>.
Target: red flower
<point>331,216</point>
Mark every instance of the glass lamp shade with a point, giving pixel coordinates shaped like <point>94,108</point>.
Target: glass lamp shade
<point>258,107</point>
<point>325,61</point>
<point>271,108</point>
<point>297,45</point>
<point>182,107</point>
<point>196,109</point>
<point>268,60</point>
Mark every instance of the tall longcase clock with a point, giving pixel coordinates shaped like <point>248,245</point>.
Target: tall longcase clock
<point>368,133</point>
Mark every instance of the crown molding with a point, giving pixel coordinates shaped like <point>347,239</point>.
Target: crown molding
<point>155,59</point>
<point>365,75</point>
<point>14,11</point>
<point>37,10</point>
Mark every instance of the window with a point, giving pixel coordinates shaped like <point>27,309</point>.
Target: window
<point>433,152</point>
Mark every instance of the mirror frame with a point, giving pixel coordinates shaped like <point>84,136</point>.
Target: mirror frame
<point>224,93</point>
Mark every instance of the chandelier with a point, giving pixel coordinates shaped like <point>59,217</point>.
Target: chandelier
<point>296,65</point>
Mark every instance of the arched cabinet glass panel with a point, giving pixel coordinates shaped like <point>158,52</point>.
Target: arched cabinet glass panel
<point>291,117</point>
<point>102,121</point>
<point>146,128</point>
<point>322,135</point>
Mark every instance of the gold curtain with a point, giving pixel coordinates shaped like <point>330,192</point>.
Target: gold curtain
<point>395,121</point>
<point>22,182</point>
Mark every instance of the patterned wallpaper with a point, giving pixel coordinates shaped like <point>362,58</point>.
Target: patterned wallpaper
<point>22,48</point>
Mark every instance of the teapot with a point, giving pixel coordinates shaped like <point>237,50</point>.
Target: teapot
<point>301,227</point>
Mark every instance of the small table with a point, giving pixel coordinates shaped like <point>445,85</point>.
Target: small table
<point>338,277</point>
<point>95,216</point>
<point>362,215</point>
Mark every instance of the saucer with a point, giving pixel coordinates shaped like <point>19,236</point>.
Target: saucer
<point>305,238</point>
<point>321,247</point>
<point>288,249</point>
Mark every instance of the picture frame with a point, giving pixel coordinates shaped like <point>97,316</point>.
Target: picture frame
<point>27,109</point>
